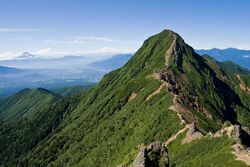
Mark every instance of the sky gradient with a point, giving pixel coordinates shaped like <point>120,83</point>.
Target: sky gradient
<point>100,27</point>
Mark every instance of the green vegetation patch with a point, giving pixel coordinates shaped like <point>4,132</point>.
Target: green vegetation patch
<point>203,152</point>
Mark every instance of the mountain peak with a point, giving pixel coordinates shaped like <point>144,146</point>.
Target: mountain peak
<point>178,49</point>
<point>163,50</point>
<point>25,55</point>
<point>167,57</point>
<point>170,33</point>
<point>166,92</point>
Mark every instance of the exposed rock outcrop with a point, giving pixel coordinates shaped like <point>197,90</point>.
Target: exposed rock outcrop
<point>242,153</point>
<point>241,139</point>
<point>132,96</point>
<point>235,133</point>
<point>242,85</point>
<point>154,155</point>
<point>192,134</point>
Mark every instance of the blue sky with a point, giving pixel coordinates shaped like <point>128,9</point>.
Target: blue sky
<point>100,27</point>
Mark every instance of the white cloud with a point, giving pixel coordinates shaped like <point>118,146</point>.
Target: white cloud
<point>102,51</point>
<point>43,52</point>
<point>75,41</point>
<point>39,53</point>
<point>244,46</point>
<point>18,29</point>
<point>81,40</point>
<point>9,55</point>
<point>91,38</point>
<point>50,53</point>
<point>107,51</point>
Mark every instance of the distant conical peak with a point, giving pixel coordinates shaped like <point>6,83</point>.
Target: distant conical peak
<point>25,55</point>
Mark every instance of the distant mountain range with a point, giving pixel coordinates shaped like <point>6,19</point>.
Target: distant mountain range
<point>229,66</point>
<point>28,71</point>
<point>4,70</point>
<point>29,61</point>
<point>241,57</point>
<point>114,62</point>
<point>26,55</point>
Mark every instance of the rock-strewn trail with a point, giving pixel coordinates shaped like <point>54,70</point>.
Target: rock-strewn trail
<point>172,138</point>
<point>234,132</point>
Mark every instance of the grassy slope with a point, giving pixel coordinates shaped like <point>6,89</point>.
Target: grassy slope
<point>229,66</point>
<point>25,103</point>
<point>105,129</point>
<point>67,91</point>
<point>28,124</point>
<point>203,85</point>
<point>242,111</point>
<point>246,79</point>
<point>203,152</point>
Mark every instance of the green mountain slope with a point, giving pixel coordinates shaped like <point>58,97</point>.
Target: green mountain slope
<point>18,136</point>
<point>24,121</point>
<point>140,103</point>
<point>105,120</point>
<point>229,66</point>
<point>25,103</point>
<point>67,91</point>
<point>206,151</point>
<point>238,82</point>
<point>246,79</point>
<point>165,94</point>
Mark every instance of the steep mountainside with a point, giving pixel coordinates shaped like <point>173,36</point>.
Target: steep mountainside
<point>67,91</point>
<point>18,120</point>
<point>165,97</point>
<point>25,103</point>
